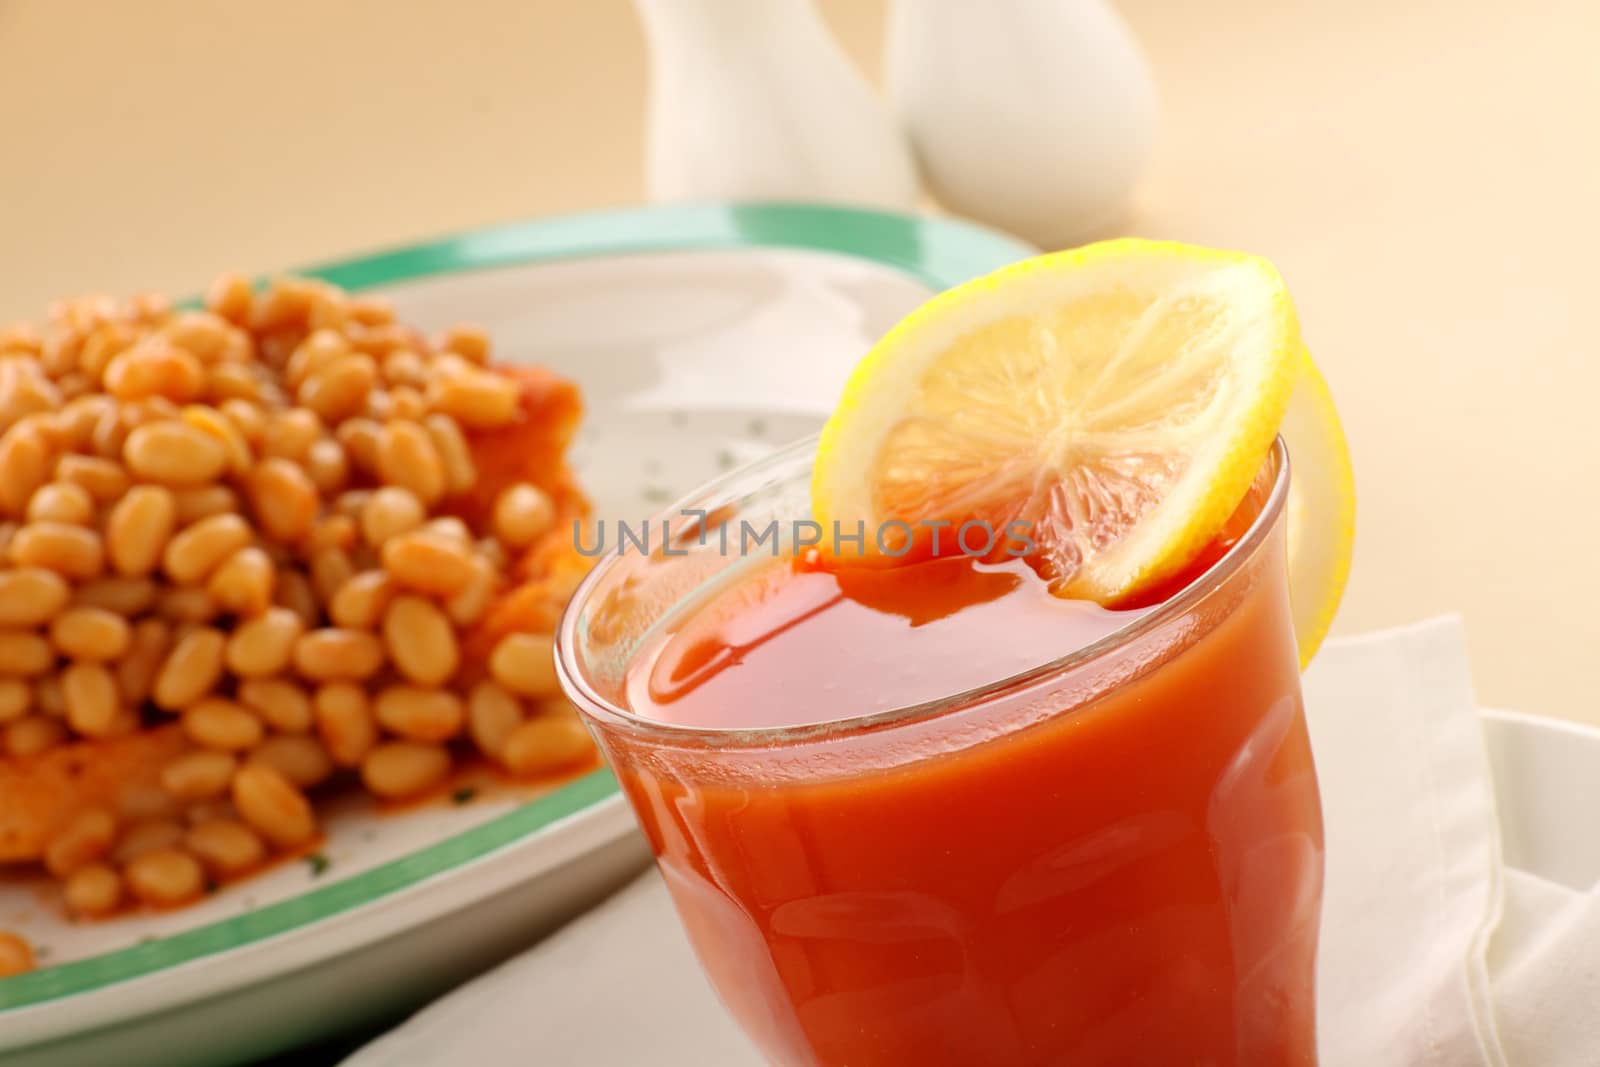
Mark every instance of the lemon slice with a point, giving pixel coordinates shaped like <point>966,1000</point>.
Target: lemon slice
<point>1321,507</point>
<point>1118,399</point>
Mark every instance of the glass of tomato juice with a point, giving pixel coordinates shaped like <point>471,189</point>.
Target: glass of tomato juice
<point>932,815</point>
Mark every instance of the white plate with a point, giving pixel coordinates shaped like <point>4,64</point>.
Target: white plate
<point>701,336</point>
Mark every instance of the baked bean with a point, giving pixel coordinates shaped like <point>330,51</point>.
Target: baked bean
<point>295,593</point>
<point>470,604</point>
<point>361,601</point>
<point>429,562</point>
<point>74,386</point>
<point>380,406</point>
<point>33,734</point>
<point>210,421</point>
<point>80,416</point>
<point>404,367</point>
<point>407,458</point>
<point>544,744</point>
<point>174,454</point>
<point>16,698</point>
<point>370,310</point>
<point>280,703</point>
<point>111,433</point>
<point>290,434</point>
<point>398,769</point>
<point>148,308</point>
<point>227,847</point>
<point>284,499</point>
<point>203,503</point>
<point>522,513</point>
<point>198,550</point>
<point>198,775</point>
<point>103,342</point>
<point>230,297</point>
<point>25,460</point>
<point>407,403</point>
<point>320,349</point>
<point>222,725</point>
<point>332,531</point>
<point>334,654</point>
<point>16,956</point>
<point>165,877</point>
<point>243,583</point>
<point>93,891</point>
<point>93,700</point>
<point>492,713</point>
<point>93,634</point>
<point>274,349</point>
<point>493,552</point>
<point>469,342</point>
<point>272,806</point>
<point>127,597</point>
<point>246,417</point>
<point>202,334</point>
<point>327,309</point>
<point>359,438</point>
<point>65,502</point>
<point>327,466</point>
<point>52,427</point>
<point>71,551</point>
<point>452,527</point>
<point>30,596</point>
<point>24,654</point>
<point>147,651</point>
<point>420,640</point>
<point>339,389</point>
<point>388,513</point>
<point>344,722</point>
<point>84,840</point>
<point>139,527</point>
<point>146,835</point>
<point>155,367</point>
<point>476,399</point>
<point>227,382</point>
<point>105,480</point>
<point>191,670</point>
<point>263,646</point>
<point>419,714</point>
<point>299,758</point>
<point>525,664</point>
<point>330,569</point>
<point>187,604</point>
<point>382,339</point>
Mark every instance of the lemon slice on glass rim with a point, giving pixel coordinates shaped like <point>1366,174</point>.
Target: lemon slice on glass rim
<point>1118,399</point>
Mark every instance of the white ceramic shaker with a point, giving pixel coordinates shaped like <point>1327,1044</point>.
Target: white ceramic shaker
<point>1034,116</point>
<point>753,100</point>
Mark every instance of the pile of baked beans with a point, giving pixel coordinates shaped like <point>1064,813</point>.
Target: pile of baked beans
<point>242,519</point>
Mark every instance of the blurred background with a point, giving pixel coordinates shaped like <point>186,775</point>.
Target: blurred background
<point>1423,171</point>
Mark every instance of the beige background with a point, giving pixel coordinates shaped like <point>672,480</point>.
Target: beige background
<point>1427,174</point>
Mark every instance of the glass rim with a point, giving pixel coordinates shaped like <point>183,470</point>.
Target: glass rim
<point>575,683</point>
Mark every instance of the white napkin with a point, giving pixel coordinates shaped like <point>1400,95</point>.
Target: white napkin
<point>1412,896</point>
<point>1546,969</point>
<point>1413,853</point>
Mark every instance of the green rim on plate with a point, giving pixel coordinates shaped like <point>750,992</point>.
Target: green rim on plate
<point>938,252</point>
